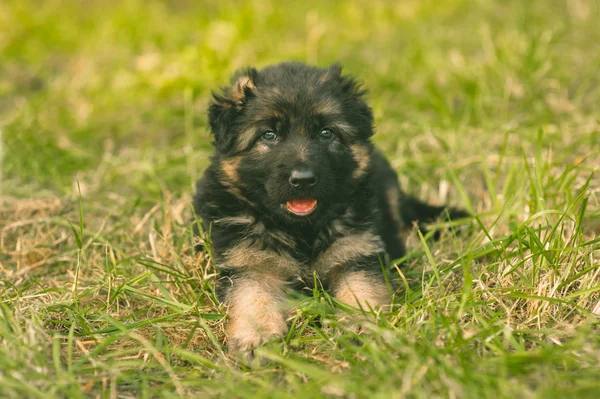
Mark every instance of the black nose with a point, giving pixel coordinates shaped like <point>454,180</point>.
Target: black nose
<point>303,178</point>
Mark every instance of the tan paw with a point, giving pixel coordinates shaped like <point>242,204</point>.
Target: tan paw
<point>244,343</point>
<point>243,340</point>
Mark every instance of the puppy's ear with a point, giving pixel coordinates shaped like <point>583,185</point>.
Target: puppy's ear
<point>227,106</point>
<point>333,72</point>
<point>351,87</point>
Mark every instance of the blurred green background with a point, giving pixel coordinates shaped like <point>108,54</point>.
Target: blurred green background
<point>81,82</point>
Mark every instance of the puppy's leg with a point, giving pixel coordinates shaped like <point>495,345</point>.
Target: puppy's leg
<point>361,289</point>
<point>256,311</point>
<point>352,270</point>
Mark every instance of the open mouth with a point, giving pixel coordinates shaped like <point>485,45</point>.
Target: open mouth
<point>301,207</point>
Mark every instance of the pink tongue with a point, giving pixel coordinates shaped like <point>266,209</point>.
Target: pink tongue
<point>301,205</point>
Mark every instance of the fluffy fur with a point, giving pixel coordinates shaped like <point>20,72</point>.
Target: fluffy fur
<point>270,126</point>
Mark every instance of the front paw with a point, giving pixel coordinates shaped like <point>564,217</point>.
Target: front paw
<point>243,340</point>
<point>244,343</point>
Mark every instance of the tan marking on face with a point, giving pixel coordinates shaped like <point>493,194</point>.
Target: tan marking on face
<point>346,249</point>
<point>257,312</point>
<point>230,167</point>
<point>231,180</point>
<point>261,148</point>
<point>302,152</point>
<point>328,106</point>
<point>362,157</point>
<point>249,254</point>
<point>245,139</point>
<point>271,112</point>
<point>344,128</point>
<point>361,289</point>
<point>248,135</point>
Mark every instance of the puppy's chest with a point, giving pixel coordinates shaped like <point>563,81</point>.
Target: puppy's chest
<point>283,254</point>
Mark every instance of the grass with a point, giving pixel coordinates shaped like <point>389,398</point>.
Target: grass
<point>489,105</point>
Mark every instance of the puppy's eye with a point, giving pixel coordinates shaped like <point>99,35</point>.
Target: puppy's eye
<point>269,135</point>
<point>326,133</point>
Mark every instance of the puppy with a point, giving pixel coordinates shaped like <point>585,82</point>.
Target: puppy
<point>296,187</point>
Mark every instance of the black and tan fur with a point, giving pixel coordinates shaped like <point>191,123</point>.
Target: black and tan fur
<point>259,247</point>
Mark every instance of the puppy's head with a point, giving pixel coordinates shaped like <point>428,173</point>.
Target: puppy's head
<point>292,139</point>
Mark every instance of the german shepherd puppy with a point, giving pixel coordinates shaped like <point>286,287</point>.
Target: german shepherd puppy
<point>295,188</point>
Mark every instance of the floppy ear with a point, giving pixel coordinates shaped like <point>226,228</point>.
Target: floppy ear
<point>227,105</point>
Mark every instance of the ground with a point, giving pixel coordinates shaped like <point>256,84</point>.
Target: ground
<point>487,105</point>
